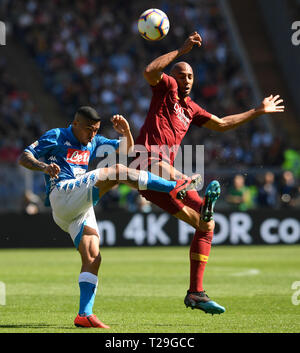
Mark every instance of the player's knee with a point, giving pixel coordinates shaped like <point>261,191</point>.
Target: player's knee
<point>97,260</point>
<point>93,260</point>
<point>89,249</point>
<point>94,254</point>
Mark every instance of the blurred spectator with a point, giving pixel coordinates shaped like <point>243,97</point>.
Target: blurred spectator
<point>267,193</point>
<point>144,205</point>
<point>128,198</point>
<point>288,190</point>
<point>238,195</point>
<point>110,200</point>
<point>32,204</point>
<point>20,123</point>
<point>292,161</point>
<point>90,51</point>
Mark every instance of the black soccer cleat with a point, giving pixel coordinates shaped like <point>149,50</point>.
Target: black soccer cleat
<point>200,300</point>
<point>212,193</point>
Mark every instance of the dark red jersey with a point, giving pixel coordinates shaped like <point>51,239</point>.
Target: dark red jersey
<point>169,119</point>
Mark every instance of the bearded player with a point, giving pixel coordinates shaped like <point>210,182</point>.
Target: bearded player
<point>170,115</point>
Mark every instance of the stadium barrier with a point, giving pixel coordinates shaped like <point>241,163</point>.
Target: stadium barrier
<point>121,228</point>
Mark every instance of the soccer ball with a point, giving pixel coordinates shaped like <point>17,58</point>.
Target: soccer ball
<point>153,24</point>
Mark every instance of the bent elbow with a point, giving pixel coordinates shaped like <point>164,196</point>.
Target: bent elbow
<point>22,158</point>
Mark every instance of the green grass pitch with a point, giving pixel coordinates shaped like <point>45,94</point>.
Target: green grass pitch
<point>142,290</point>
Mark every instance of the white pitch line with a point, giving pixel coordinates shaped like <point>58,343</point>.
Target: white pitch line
<point>250,272</point>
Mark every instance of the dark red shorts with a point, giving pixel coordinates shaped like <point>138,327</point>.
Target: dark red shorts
<point>171,204</point>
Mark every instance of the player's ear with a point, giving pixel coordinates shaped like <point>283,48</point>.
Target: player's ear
<point>76,120</point>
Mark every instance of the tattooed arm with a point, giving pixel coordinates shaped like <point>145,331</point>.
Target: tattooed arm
<point>28,161</point>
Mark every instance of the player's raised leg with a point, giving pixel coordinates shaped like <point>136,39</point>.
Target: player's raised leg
<point>143,180</point>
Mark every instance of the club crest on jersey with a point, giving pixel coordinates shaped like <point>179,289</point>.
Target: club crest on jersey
<point>78,157</point>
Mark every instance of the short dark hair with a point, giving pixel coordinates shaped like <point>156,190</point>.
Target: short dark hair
<point>88,113</point>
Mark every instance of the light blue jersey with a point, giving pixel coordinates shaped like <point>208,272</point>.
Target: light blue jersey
<point>60,146</point>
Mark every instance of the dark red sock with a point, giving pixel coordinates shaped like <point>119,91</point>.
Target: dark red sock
<point>199,252</point>
<point>193,200</point>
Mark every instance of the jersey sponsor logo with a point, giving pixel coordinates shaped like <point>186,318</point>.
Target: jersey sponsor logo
<point>179,111</point>
<point>78,171</point>
<point>78,157</point>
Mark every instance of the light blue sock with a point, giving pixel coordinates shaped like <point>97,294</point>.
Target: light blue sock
<point>151,181</point>
<point>88,286</point>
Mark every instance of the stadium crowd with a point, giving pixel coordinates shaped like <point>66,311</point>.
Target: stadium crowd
<point>20,125</point>
<point>91,54</point>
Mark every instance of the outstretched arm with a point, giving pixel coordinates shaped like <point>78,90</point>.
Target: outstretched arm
<point>268,106</point>
<point>153,72</point>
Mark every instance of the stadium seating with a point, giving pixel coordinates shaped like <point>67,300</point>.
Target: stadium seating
<point>90,53</point>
